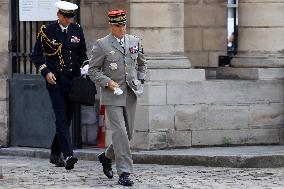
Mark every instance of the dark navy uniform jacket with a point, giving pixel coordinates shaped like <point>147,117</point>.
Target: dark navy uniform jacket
<point>60,53</point>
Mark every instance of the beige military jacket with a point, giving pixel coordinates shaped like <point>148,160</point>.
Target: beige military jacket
<point>109,61</point>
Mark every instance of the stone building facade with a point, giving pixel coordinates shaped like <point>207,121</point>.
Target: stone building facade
<point>183,39</point>
<point>4,69</point>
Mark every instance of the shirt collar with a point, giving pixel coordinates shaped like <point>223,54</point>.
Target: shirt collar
<point>62,27</point>
<point>118,40</point>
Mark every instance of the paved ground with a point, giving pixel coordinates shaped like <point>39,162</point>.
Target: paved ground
<point>27,172</point>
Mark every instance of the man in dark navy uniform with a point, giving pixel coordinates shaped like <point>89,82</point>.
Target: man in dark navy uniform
<point>58,54</point>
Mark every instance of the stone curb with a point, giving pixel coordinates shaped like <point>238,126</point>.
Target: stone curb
<point>152,157</point>
<point>214,161</point>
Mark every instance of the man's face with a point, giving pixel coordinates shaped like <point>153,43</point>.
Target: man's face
<point>64,21</point>
<point>118,30</point>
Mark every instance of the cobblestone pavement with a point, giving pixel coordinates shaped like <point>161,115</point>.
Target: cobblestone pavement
<point>26,172</point>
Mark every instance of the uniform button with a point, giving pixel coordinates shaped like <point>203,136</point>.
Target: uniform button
<point>61,70</point>
<point>70,57</point>
<point>70,63</point>
<point>71,70</point>
<point>126,73</point>
<point>70,52</point>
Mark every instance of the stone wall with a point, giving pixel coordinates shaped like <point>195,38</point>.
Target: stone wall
<point>175,114</point>
<point>4,60</point>
<point>205,33</point>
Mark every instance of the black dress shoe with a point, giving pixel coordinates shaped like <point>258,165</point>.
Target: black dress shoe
<point>56,160</point>
<point>70,162</point>
<point>125,180</point>
<point>106,163</point>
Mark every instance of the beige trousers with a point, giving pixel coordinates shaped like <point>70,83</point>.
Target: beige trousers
<point>121,120</point>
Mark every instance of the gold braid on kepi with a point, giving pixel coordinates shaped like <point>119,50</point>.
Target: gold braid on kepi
<point>50,47</point>
<point>117,17</point>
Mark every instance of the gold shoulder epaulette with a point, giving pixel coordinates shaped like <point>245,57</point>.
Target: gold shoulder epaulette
<point>41,30</point>
<point>50,47</point>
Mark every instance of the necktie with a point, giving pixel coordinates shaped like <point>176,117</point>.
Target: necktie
<point>65,31</point>
<point>121,42</point>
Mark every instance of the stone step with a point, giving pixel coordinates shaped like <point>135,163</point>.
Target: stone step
<point>164,61</point>
<point>258,62</point>
<point>250,73</point>
<point>175,75</point>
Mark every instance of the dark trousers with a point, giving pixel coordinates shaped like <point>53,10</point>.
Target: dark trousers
<point>63,111</point>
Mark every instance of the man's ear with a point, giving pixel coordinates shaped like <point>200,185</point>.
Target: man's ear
<point>110,27</point>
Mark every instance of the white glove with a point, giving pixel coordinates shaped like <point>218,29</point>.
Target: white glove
<point>117,91</point>
<point>84,70</point>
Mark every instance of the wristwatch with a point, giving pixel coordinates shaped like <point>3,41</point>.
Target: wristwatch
<point>106,85</point>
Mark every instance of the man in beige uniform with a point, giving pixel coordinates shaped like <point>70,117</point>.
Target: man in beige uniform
<point>118,66</point>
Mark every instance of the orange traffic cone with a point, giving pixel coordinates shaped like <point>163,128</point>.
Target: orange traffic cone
<point>101,134</point>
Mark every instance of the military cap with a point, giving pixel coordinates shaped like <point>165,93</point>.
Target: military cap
<point>117,17</point>
<point>67,9</point>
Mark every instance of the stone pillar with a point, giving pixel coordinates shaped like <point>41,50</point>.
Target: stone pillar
<point>260,42</point>
<point>205,31</point>
<point>4,60</point>
<point>261,28</point>
<point>160,25</point>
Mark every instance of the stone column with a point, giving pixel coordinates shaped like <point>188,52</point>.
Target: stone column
<point>205,31</point>
<point>261,28</point>
<point>4,60</point>
<point>260,42</point>
<point>160,25</point>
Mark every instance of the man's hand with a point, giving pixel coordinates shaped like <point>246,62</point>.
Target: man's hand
<point>112,85</point>
<point>50,78</point>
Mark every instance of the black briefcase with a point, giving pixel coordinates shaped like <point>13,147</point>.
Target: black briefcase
<point>83,91</point>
